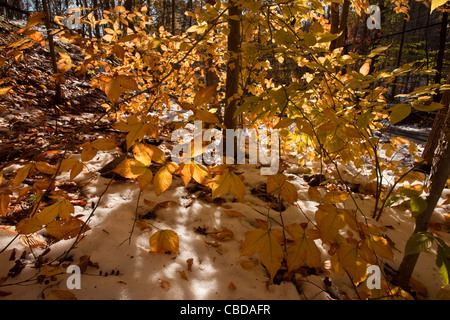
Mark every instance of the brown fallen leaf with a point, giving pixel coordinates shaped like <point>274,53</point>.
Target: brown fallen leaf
<point>223,235</point>
<point>190,262</point>
<point>231,286</point>
<point>164,284</point>
<point>61,295</point>
<point>234,213</point>
<point>183,275</point>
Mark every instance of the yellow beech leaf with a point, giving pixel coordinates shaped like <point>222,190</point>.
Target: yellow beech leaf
<point>21,175</point>
<point>148,153</point>
<point>314,194</point>
<point>76,170</point>
<point>274,182</point>
<point>145,179</point>
<point>303,251</point>
<point>5,90</point>
<point>206,116</point>
<point>88,152</point>
<point>136,129</point>
<point>226,182</point>
<point>164,241</point>
<point>380,246</point>
<point>399,112</point>
<point>63,209</point>
<point>131,168</point>
<point>35,19</point>
<point>334,197</point>
<point>28,225</point>
<point>4,203</point>
<point>289,192</point>
<point>194,170</point>
<point>104,144</point>
<point>268,244</point>
<point>143,153</point>
<point>351,261</point>
<point>162,180</point>
<point>45,167</point>
<point>67,164</point>
<point>118,85</point>
<point>329,220</point>
<point>66,229</point>
<point>365,68</point>
<point>203,96</point>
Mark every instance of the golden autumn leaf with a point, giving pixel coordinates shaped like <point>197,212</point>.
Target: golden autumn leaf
<point>104,144</point>
<point>118,85</point>
<point>28,225</point>
<point>88,152</point>
<point>35,19</point>
<point>131,168</point>
<point>137,129</point>
<point>163,180</point>
<point>63,209</point>
<point>334,197</point>
<point>206,116</point>
<point>4,203</point>
<point>365,68</point>
<point>45,167</point>
<point>66,229</point>
<point>303,251</point>
<point>380,246</point>
<point>164,241</point>
<point>289,192</point>
<point>225,182</point>
<point>5,90</point>
<point>204,95</point>
<point>21,174</point>
<point>352,262</point>
<point>143,153</point>
<point>280,182</point>
<point>329,220</point>
<point>200,173</point>
<point>314,194</point>
<point>268,244</point>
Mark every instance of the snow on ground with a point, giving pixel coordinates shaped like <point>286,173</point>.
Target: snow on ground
<point>123,269</point>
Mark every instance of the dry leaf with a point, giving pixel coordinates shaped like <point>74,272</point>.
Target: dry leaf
<point>190,262</point>
<point>183,275</point>
<point>164,284</point>
<point>61,295</point>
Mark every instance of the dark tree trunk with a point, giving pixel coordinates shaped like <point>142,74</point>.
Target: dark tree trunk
<point>58,95</point>
<point>233,66</point>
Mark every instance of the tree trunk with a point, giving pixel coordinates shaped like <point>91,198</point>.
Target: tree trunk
<point>342,21</point>
<point>51,44</point>
<point>334,22</point>
<point>211,78</point>
<point>440,172</point>
<point>433,138</point>
<point>233,66</point>
<point>173,17</point>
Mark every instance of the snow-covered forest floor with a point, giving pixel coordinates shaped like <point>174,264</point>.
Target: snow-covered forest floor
<point>115,256</point>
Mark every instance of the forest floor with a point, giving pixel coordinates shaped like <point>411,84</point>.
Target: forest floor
<point>118,264</point>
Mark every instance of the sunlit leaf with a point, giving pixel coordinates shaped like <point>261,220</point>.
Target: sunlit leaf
<point>164,241</point>
<point>268,244</point>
